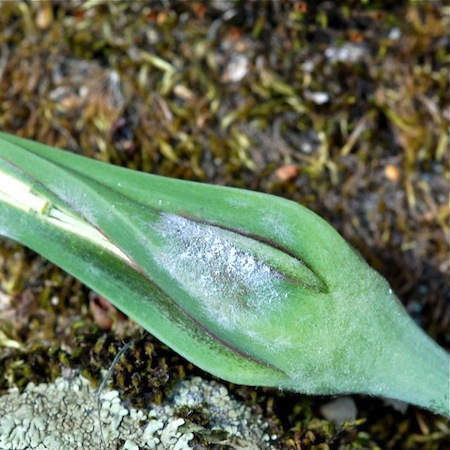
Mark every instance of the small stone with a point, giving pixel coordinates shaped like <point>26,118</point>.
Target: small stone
<point>341,410</point>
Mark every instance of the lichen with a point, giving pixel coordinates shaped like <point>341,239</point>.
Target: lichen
<point>64,414</point>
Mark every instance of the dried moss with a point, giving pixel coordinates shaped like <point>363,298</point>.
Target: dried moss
<point>344,108</point>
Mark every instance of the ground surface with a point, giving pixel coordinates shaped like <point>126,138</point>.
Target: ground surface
<point>344,108</point>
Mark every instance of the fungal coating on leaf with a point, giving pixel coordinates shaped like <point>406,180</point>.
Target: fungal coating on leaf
<point>231,285</point>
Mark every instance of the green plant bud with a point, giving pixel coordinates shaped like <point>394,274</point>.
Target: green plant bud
<point>250,287</point>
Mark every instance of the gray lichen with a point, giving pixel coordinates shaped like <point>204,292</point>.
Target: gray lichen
<point>64,414</point>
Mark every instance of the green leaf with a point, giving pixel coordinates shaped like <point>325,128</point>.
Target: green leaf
<point>253,288</point>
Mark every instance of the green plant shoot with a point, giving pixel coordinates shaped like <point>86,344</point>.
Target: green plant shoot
<point>253,288</point>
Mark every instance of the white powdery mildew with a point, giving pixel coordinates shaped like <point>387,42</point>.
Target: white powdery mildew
<point>232,287</point>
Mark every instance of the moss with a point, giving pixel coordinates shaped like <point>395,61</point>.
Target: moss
<point>343,108</point>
